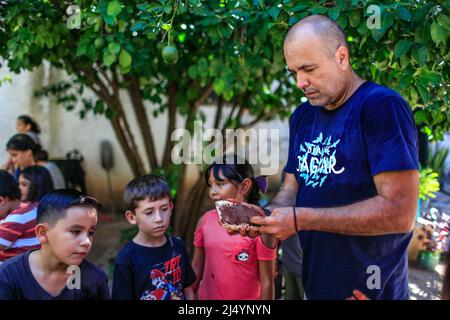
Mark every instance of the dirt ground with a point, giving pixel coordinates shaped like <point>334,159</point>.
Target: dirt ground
<point>423,285</point>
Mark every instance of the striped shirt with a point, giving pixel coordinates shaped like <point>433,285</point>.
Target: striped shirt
<point>17,231</point>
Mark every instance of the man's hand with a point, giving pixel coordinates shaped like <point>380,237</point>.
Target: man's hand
<point>280,224</point>
<point>357,295</point>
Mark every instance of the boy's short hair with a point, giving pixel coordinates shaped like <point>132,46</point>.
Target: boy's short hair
<point>148,186</point>
<point>9,187</point>
<point>53,205</point>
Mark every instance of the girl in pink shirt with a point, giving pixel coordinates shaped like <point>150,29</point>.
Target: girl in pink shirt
<point>232,267</point>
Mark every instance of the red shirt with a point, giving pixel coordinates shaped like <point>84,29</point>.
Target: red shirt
<point>17,231</point>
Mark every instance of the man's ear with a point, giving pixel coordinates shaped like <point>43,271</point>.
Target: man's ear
<point>131,217</point>
<point>41,231</point>
<point>342,56</point>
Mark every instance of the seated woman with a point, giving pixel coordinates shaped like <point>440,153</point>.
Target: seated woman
<point>34,183</point>
<point>22,150</point>
<point>25,152</point>
<point>17,229</point>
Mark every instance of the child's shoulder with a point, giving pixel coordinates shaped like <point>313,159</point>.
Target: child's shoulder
<point>211,214</point>
<point>128,250</point>
<point>14,264</point>
<point>91,271</point>
<point>177,243</point>
<point>176,240</point>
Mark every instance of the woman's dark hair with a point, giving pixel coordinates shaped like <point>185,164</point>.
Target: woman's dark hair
<point>8,186</point>
<point>235,169</point>
<point>28,120</point>
<point>40,182</point>
<point>23,142</point>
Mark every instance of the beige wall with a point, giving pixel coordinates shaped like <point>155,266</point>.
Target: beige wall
<point>63,131</point>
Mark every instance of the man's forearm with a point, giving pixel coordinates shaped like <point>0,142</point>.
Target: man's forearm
<point>374,216</point>
<point>284,198</point>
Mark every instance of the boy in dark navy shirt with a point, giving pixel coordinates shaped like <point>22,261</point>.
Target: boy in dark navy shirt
<point>152,266</point>
<point>66,221</point>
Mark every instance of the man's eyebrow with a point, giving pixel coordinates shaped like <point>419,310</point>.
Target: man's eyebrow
<point>303,67</point>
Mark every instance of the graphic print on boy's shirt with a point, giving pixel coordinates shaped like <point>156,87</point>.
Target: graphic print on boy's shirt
<point>317,160</point>
<point>165,281</point>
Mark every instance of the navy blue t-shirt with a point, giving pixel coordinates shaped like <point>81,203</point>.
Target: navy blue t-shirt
<point>18,283</point>
<point>334,156</point>
<point>152,273</point>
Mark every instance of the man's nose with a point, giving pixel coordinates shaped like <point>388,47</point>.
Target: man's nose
<point>302,82</point>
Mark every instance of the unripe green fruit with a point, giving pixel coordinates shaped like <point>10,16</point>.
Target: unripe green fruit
<point>99,43</point>
<point>170,54</point>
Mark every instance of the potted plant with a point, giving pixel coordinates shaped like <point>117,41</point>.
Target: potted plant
<point>428,186</point>
<point>427,245</point>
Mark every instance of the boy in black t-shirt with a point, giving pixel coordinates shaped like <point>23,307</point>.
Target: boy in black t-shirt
<point>152,266</point>
<point>66,221</point>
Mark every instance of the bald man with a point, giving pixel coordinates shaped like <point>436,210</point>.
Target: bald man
<point>351,185</point>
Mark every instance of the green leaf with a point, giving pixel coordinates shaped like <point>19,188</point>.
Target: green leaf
<point>444,21</point>
<point>420,116</point>
<point>432,77</point>
<point>125,59</point>
<point>114,47</point>
<point>110,20</point>
<point>401,48</point>
<point>274,12</point>
<point>423,92</point>
<point>108,58</point>
<point>114,8</point>
<point>420,54</point>
<point>438,33</point>
<point>422,33</point>
<point>167,8</point>
<point>82,49</point>
<point>333,13</point>
<point>403,13</point>
<point>299,7</point>
<point>219,86</point>
<point>202,67</point>
<point>354,18</point>
<point>192,72</point>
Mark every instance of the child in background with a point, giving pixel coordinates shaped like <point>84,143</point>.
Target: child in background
<point>22,150</point>
<point>152,266</point>
<point>34,183</point>
<point>17,220</point>
<point>66,221</point>
<point>232,267</point>
<point>25,124</point>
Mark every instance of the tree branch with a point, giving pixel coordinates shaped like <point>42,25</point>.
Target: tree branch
<point>134,91</point>
<point>172,90</point>
<point>203,97</point>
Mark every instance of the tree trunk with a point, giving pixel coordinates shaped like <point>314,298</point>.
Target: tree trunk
<point>144,126</point>
<point>190,207</point>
